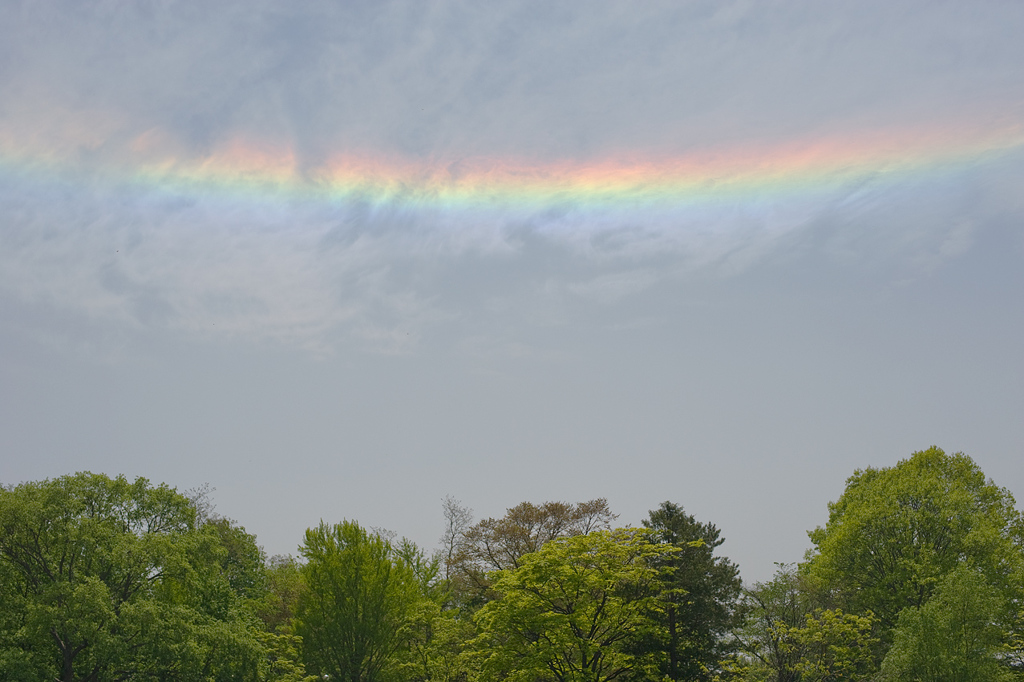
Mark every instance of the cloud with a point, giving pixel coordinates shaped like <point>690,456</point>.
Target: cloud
<point>303,274</point>
<point>86,86</point>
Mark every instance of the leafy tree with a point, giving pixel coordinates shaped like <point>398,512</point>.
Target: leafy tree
<point>436,635</point>
<point>699,595</point>
<point>106,579</point>
<point>772,611</point>
<point>896,532</point>
<point>437,645</point>
<point>785,638</point>
<point>277,609</point>
<point>834,646</point>
<point>500,544</point>
<point>954,637</point>
<point>567,611</point>
<point>355,610</point>
<point>283,658</point>
<point>242,562</point>
<point>426,569</point>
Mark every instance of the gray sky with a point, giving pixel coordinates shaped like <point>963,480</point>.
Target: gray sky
<point>356,359</point>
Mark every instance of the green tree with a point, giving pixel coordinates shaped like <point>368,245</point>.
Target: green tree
<point>956,636</point>
<point>283,658</point>
<point>283,576</point>
<point>772,612</point>
<point>276,609</point>
<point>355,610</point>
<point>436,635</point>
<point>568,611</point>
<point>437,645</point>
<point>896,532</point>
<point>426,569</point>
<point>107,579</point>
<point>243,562</point>
<point>500,544</point>
<point>786,638</point>
<point>834,646</point>
<point>699,596</point>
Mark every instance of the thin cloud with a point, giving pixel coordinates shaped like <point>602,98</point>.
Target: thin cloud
<point>144,150</point>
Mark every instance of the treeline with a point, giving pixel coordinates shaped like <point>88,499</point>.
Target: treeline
<point>918,575</point>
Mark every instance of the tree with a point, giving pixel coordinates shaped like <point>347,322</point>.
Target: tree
<point>106,579</point>
<point>425,569</point>
<point>457,521</point>
<point>568,611</point>
<point>276,609</point>
<point>500,544</point>
<point>243,561</point>
<point>436,636</point>
<point>772,611</point>
<point>283,658</point>
<point>699,595</point>
<point>437,645</point>
<point>280,601</point>
<point>834,646</point>
<point>786,638</point>
<point>954,637</point>
<point>896,532</point>
<point>354,612</point>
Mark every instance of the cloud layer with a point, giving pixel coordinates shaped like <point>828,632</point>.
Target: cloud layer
<point>173,85</point>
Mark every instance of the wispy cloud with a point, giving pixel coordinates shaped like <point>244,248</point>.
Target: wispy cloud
<point>117,122</point>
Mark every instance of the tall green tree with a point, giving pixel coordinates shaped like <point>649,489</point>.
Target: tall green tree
<point>106,579</point>
<point>568,612</point>
<point>896,532</point>
<point>956,636</point>
<point>355,611</point>
<point>699,595</point>
<point>437,632</point>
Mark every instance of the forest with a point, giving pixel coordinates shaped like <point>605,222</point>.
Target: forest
<point>916,576</point>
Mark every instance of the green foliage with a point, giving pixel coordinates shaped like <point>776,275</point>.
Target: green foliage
<point>427,570</point>
<point>896,532</point>
<point>355,611</point>
<point>833,646</point>
<point>436,648</point>
<point>277,608</point>
<point>283,660</point>
<point>785,637</point>
<point>106,579</point>
<point>772,611</point>
<point>699,596</point>
<point>568,611</point>
<point>955,637</point>
<point>500,544</point>
<point>242,562</point>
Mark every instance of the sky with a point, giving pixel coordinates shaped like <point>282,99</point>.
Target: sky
<point>343,259</point>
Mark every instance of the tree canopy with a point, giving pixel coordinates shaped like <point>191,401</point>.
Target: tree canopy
<point>568,610</point>
<point>896,532</point>
<point>106,579</point>
<point>956,636</point>
<point>918,575</point>
<point>357,603</point>
<point>500,544</point>
<point>699,595</point>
